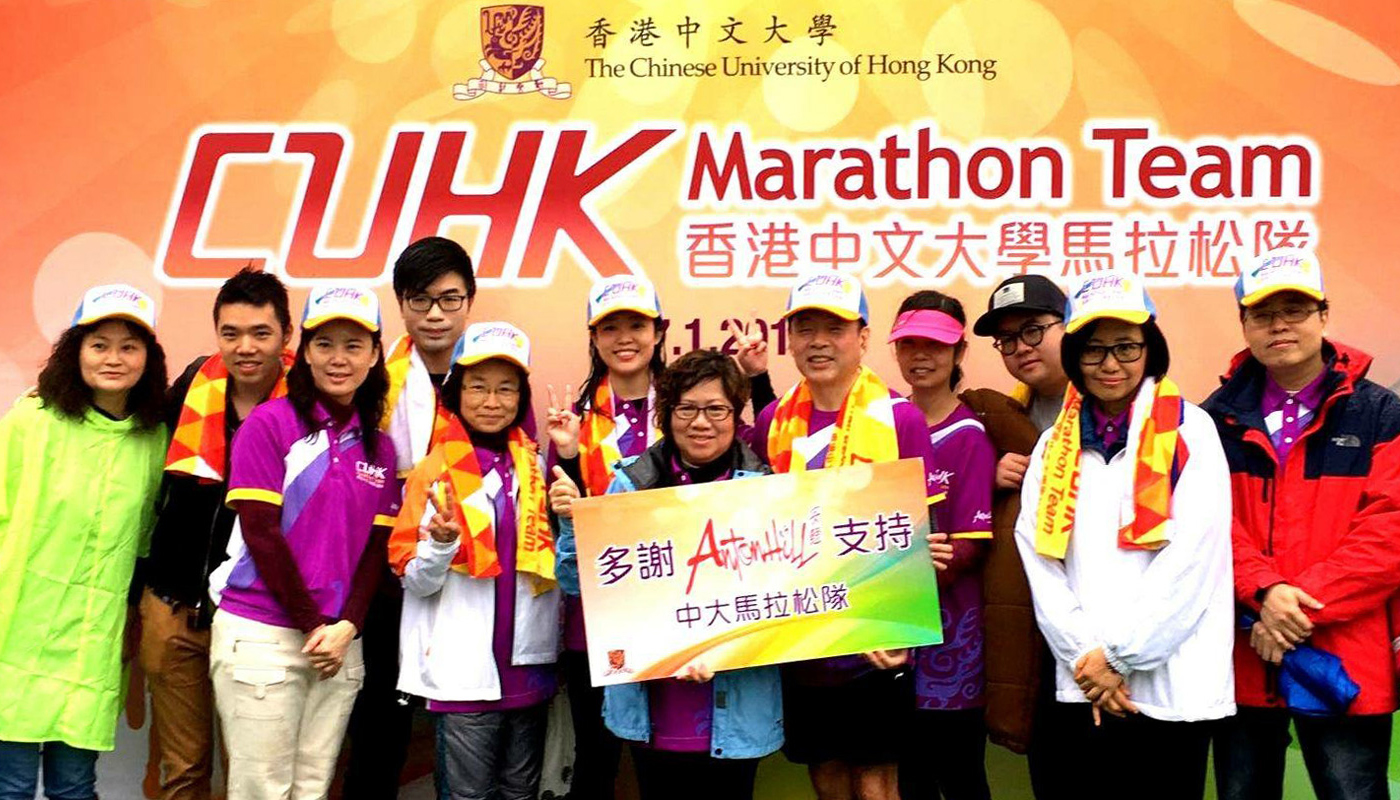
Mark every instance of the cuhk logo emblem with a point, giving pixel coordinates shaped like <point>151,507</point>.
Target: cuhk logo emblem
<point>512,40</point>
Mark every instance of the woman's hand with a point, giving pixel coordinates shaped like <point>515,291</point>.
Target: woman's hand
<point>443,527</point>
<point>752,352</point>
<point>562,493</point>
<point>325,647</point>
<point>562,424</point>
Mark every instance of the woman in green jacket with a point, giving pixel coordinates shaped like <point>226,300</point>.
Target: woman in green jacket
<point>80,466</point>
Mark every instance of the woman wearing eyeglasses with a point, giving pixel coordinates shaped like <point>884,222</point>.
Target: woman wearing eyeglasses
<point>699,734</point>
<point>1124,532</point>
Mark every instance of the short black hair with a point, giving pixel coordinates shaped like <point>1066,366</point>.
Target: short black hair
<point>62,388</point>
<point>929,300</point>
<point>1158,357</point>
<point>428,259</point>
<point>691,370</point>
<point>254,287</point>
<point>452,393</point>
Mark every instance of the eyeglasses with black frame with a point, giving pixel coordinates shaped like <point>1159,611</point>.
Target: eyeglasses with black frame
<point>1291,314</point>
<point>713,413</point>
<point>1032,335</point>
<point>423,303</point>
<point>1123,352</point>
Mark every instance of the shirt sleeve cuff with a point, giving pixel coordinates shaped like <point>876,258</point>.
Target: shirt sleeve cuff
<point>249,493</point>
<point>1114,660</point>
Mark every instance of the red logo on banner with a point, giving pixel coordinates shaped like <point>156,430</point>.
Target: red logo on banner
<point>512,39</point>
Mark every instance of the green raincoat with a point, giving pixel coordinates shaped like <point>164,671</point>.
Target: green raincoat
<point>77,501</point>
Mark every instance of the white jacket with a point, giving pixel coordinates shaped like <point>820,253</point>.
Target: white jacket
<point>449,619</point>
<point>411,425</point>
<point>1165,618</point>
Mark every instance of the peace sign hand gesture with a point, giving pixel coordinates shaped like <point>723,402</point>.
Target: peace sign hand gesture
<point>562,424</point>
<point>443,527</point>
<point>752,347</point>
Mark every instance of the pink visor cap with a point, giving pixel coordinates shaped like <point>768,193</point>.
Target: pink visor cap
<point>927,324</point>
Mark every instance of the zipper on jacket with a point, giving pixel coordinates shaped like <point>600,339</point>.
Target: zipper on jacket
<point>1269,497</point>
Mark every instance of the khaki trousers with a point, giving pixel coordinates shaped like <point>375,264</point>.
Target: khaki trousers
<point>175,659</point>
<point>283,725</point>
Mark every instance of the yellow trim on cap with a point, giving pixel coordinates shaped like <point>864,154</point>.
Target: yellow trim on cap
<point>477,358</point>
<point>246,493</point>
<point>116,315</point>
<point>650,313</point>
<point>843,313</point>
<point>1269,291</point>
<point>1130,317</point>
<point>316,322</point>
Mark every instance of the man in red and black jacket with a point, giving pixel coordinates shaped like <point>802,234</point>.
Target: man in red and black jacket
<point>1314,453</point>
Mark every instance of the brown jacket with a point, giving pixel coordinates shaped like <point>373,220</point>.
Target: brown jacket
<point>1013,644</point>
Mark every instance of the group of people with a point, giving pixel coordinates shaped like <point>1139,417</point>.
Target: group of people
<point>306,545</point>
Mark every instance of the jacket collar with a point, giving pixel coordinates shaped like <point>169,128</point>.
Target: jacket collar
<point>1242,386</point>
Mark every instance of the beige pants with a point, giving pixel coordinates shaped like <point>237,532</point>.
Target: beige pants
<point>282,723</point>
<point>176,660</point>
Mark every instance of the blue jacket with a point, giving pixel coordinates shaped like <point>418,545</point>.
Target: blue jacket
<point>748,703</point>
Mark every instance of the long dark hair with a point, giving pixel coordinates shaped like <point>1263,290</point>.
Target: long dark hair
<point>62,388</point>
<point>452,394</point>
<point>930,300</point>
<point>597,370</point>
<point>371,397</point>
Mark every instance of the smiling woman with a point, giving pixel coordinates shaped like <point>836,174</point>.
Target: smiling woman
<point>80,465</point>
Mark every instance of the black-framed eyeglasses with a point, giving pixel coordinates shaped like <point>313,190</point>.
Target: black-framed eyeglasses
<point>1264,318</point>
<point>1032,335</point>
<point>1123,352</point>
<point>714,413</point>
<point>423,303</point>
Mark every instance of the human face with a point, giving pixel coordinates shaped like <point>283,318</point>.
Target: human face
<point>436,330</point>
<point>112,358</point>
<point>702,440</point>
<point>1037,366</point>
<point>340,356</point>
<point>251,341</point>
<point>490,395</point>
<point>826,349</point>
<point>1285,346</point>
<point>926,364</point>
<point>626,341</point>
<point>1112,382</point>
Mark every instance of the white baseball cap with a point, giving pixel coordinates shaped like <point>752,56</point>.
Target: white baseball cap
<point>1107,295</point>
<point>829,291</point>
<point>622,293</point>
<point>486,340</point>
<point>1286,269</point>
<point>326,303</point>
<point>116,301</point>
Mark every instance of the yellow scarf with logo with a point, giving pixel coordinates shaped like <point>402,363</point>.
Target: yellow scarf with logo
<point>1154,445</point>
<point>397,362</point>
<point>453,458</point>
<point>860,436</point>
<point>599,435</point>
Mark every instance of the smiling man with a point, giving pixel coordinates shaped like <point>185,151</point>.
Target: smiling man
<point>1315,477</point>
<point>206,405</point>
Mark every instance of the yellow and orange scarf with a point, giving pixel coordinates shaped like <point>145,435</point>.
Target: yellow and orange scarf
<point>1154,444</point>
<point>862,435</point>
<point>453,458</point>
<point>397,363</point>
<point>199,447</point>
<point>599,435</point>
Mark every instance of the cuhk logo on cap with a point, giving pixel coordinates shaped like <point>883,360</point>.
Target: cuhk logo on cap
<point>486,340</point>
<point>117,300</point>
<point>1280,270</point>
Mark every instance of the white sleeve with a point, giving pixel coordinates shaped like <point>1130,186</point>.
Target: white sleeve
<point>427,570</point>
<point>1062,622</point>
<point>1186,575</point>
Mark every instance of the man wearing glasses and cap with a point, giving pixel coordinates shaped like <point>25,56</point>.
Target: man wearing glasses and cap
<point>1315,479</point>
<point>1025,320</point>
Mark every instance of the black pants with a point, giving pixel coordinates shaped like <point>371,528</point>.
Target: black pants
<point>947,753</point>
<point>1148,759</point>
<point>380,725</point>
<point>1347,757</point>
<point>596,750</point>
<point>1048,753</point>
<point>663,775</point>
